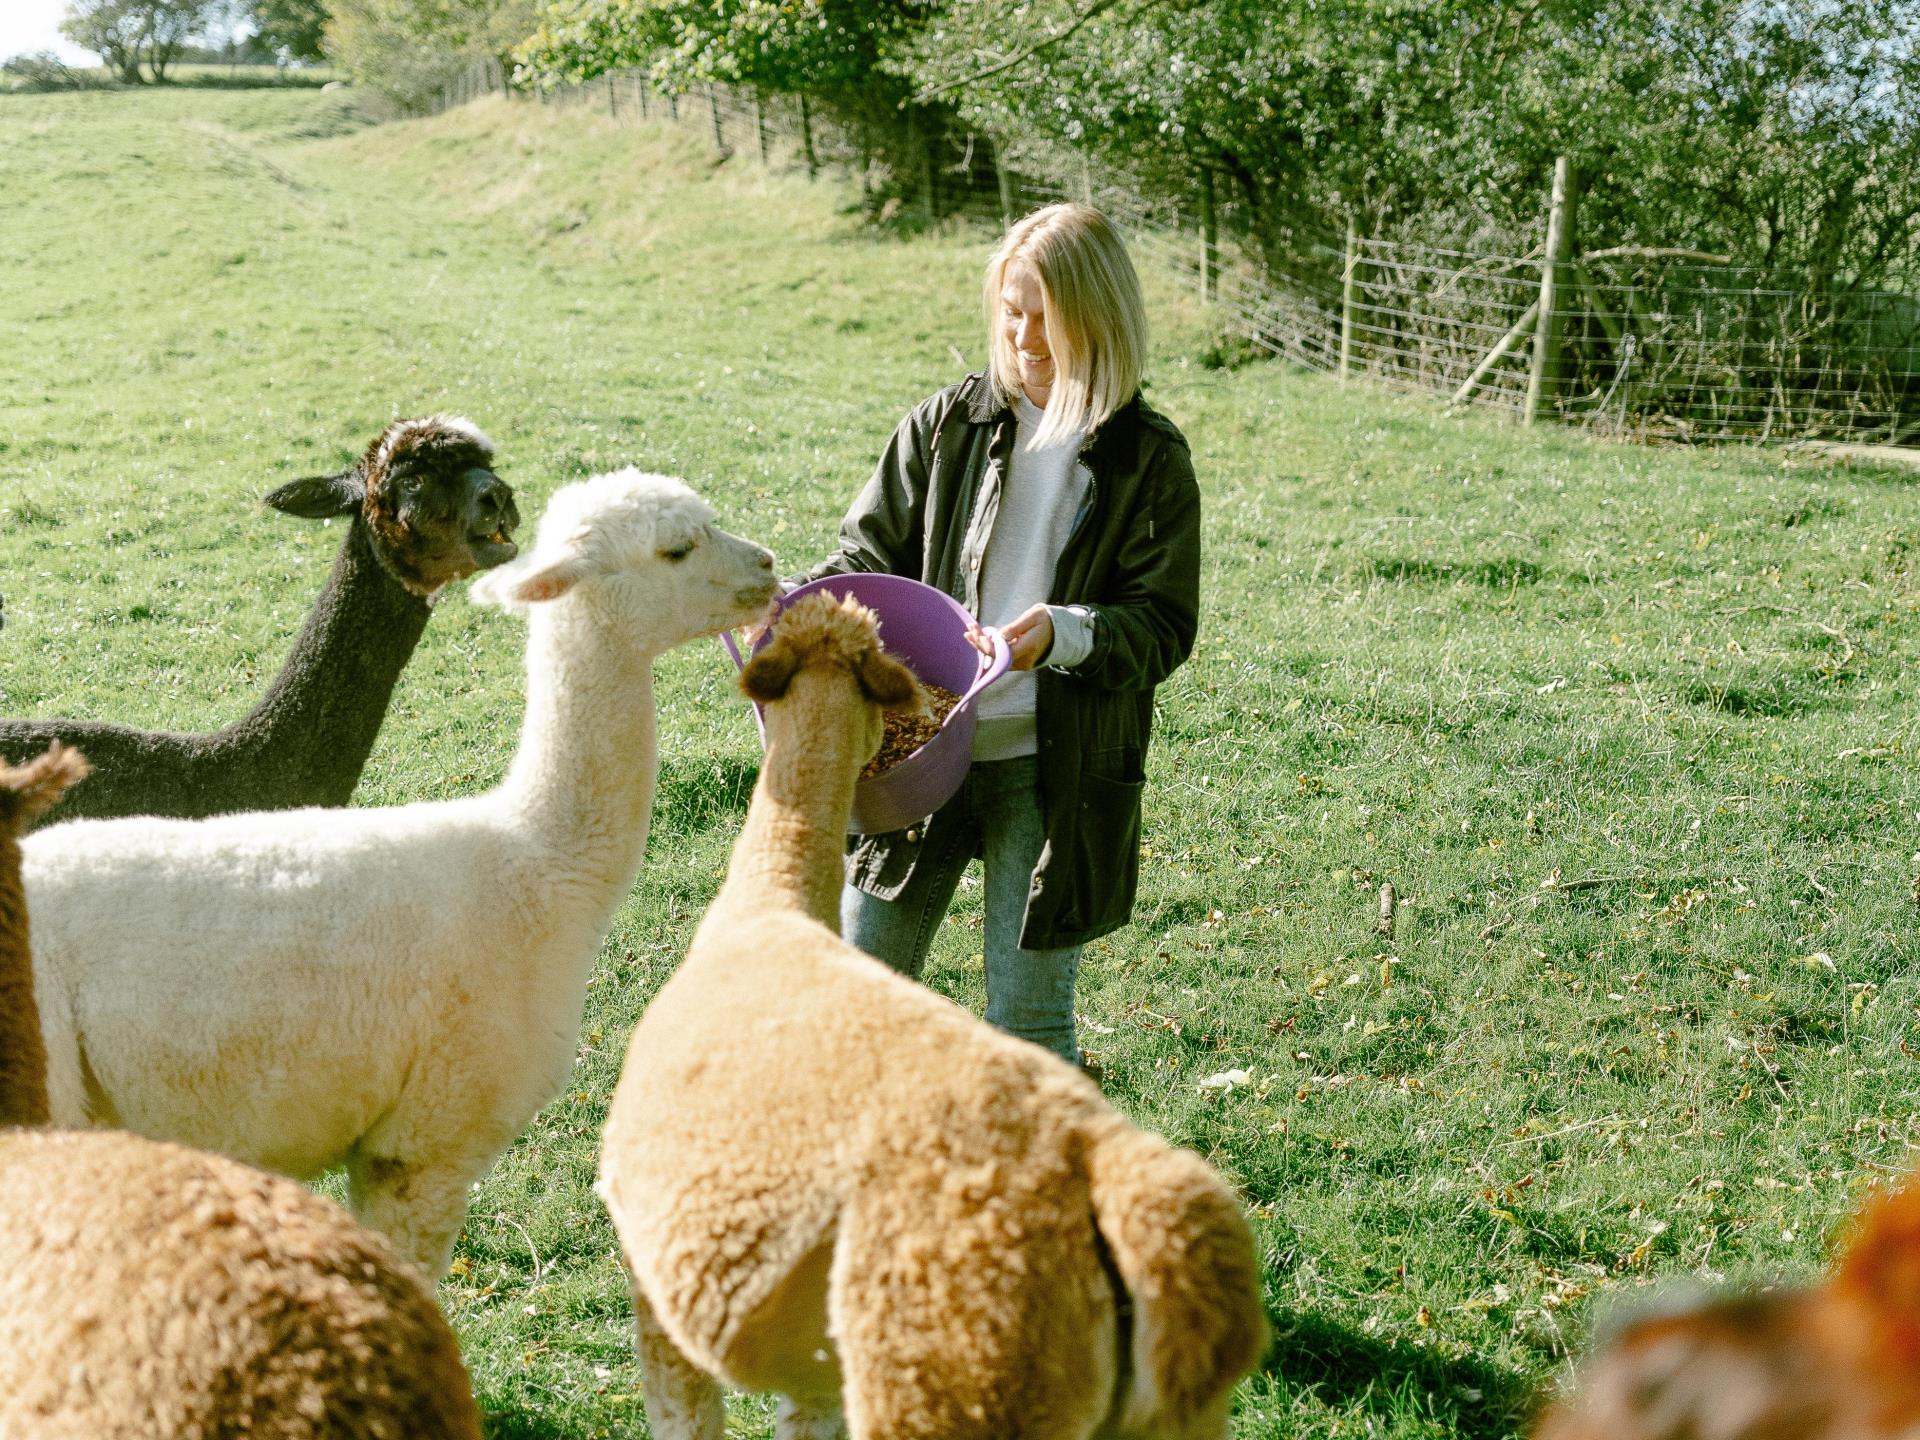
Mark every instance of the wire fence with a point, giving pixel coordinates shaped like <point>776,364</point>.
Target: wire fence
<point>1645,341</point>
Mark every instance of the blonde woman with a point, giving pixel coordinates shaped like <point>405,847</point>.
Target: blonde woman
<point>1052,501</point>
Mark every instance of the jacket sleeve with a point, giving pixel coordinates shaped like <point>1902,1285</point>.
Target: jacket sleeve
<point>1149,612</point>
<point>881,533</point>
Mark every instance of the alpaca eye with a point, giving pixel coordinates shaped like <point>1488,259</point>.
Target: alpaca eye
<point>679,552</point>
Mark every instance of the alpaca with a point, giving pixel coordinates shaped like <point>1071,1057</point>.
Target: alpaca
<point>397,990</point>
<point>1839,1361</point>
<point>831,1183</point>
<point>426,510</point>
<point>149,1290</point>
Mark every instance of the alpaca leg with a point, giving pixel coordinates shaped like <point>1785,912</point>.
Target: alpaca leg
<point>683,1402</point>
<point>802,1420</point>
<point>419,1207</point>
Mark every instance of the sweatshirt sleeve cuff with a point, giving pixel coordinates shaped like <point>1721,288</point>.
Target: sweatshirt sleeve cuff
<point>1072,636</point>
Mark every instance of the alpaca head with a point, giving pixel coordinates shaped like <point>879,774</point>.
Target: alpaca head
<point>643,551</point>
<point>431,502</point>
<point>837,641</point>
<point>1840,1362</point>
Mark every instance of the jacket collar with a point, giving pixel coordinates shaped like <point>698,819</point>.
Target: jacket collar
<point>984,406</point>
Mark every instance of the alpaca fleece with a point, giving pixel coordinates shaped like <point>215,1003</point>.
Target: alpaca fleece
<point>146,1290</point>
<point>396,990</point>
<point>308,738</point>
<point>832,1183</point>
<point>1839,1361</point>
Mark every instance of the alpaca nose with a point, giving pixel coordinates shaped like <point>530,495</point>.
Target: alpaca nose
<point>493,499</point>
<point>766,559</point>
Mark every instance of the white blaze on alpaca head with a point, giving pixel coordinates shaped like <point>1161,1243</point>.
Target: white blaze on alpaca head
<point>644,546</point>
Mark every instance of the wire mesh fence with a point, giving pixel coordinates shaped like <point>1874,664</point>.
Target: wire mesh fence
<point>1647,341</point>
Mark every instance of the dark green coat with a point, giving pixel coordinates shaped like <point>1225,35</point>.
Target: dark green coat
<point>1133,559</point>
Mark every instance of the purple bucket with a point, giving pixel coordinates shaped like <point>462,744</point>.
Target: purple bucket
<point>927,629</point>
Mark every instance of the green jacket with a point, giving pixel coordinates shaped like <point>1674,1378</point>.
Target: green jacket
<point>1132,559</point>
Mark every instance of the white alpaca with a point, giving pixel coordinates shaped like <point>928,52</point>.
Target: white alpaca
<point>397,990</point>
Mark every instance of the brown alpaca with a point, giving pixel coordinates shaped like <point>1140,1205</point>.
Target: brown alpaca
<point>831,1183</point>
<point>1840,1361</point>
<point>150,1290</point>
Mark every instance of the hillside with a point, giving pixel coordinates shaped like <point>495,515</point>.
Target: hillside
<point>1628,730</point>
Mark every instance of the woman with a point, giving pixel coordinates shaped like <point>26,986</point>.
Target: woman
<point>1051,501</point>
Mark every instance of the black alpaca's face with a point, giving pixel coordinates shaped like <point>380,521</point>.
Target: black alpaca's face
<point>437,511</point>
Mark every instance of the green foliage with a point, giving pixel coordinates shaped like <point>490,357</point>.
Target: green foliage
<point>1626,728</point>
<point>1767,130</point>
<point>407,50</point>
<point>296,28</point>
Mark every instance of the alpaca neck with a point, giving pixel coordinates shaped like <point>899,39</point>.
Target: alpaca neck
<point>583,775</point>
<point>789,854</point>
<point>323,710</point>
<point>23,1055</point>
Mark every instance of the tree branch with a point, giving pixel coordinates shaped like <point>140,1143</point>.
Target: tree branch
<point>1092,10</point>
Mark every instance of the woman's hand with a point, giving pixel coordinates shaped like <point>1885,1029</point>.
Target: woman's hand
<point>1029,637</point>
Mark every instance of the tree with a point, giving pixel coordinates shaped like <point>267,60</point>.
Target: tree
<point>293,28</point>
<point>126,32</point>
<point>407,50</point>
<point>115,30</point>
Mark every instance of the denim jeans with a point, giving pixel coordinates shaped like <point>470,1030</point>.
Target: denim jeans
<point>995,815</point>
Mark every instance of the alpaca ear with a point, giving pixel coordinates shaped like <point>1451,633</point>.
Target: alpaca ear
<point>319,496</point>
<point>886,682</point>
<point>768,674</point>
<point>531,581</point>
<point>30,790</point>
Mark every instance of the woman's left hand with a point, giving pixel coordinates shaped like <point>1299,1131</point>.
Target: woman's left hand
<point>1029,637</point>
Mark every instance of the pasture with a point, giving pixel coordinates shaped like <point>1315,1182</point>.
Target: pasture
<point>1630,731</point>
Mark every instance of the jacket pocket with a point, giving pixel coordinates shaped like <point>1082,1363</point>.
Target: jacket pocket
<point>1106,858</point>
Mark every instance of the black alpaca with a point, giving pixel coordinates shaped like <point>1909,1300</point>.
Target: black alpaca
<point>427,510</point>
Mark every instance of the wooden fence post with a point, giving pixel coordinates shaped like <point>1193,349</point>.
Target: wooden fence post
<point>673,105</point>
<point>1349,273</point>
<point>640,88</point>
<point>613,98</point>
<point>1544,379</point>
<point>713,109</point>
<point>760,123</point>
<point>806,136</point>
<point>1209,241</point>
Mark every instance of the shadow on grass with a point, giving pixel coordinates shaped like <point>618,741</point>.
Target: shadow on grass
<point>1344,1368</point>
<point>694,795</point>
<point>510,1422</point>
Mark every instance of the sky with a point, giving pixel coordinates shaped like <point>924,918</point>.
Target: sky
<point>29,25</point>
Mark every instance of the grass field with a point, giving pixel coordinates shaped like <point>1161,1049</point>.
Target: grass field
<point>1630,731</point>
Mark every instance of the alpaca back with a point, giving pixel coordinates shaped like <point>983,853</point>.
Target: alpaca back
<point>147,1289</point>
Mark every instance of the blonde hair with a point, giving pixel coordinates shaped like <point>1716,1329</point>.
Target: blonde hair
<point>1096,319</point>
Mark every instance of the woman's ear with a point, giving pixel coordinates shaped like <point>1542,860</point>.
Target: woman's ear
<point>768,674</point>
<point>886,682</point>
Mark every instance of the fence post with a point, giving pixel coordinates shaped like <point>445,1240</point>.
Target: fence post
<point>713,109</point>
<point>613,100</point>
<point>760,123</point>
<point>806,136</point>
<point>673,105</point>
<point>1544,378</point>
<point>1209,240</point>
<point>640,88</point>
<point>920,146</point>
<point>1348,274</point>
<point>1005,180</point>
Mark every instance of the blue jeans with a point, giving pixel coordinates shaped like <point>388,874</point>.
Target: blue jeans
<point>996,815</point>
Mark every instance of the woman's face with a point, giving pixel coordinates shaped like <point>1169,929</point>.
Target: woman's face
<point>1023,312</point>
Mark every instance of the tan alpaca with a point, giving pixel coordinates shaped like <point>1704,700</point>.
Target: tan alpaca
<point>148,1291</point>
<point>1839,1361</point>
<point>831,1183</point>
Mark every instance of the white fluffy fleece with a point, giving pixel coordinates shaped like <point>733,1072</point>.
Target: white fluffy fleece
<point>397,990</point>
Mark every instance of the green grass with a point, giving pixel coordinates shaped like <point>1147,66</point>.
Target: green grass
<point>1436,652</point>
